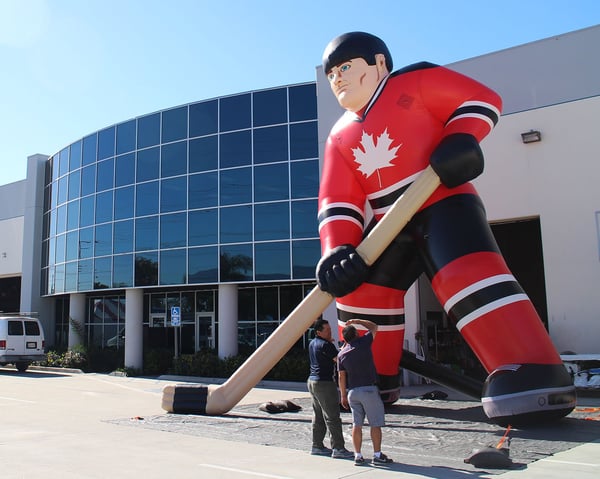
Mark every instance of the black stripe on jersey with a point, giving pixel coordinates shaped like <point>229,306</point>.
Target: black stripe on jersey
<point>341,211</point>
<point>478,109</point>
<point>381,320</point>
<point>387,200</point>
<point>482,297</point>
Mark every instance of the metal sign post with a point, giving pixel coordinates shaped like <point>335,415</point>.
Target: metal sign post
<point>176,323</point>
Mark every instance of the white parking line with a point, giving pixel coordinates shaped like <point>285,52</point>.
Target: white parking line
<point>17,400</point>
<point>243,471</point>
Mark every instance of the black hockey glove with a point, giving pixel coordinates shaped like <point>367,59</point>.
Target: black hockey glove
<point>341,271</point>
<point>457,159</point>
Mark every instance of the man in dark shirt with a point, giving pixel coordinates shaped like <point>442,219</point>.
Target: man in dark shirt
<point>325,399</point>
<point>357,379</point>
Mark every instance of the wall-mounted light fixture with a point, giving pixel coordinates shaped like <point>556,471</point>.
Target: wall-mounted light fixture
<point>531,136</point>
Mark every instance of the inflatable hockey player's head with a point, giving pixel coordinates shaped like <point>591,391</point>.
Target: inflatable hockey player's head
<point>355,64</point>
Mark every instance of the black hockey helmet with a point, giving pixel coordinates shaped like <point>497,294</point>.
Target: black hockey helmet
<point>355,45</point>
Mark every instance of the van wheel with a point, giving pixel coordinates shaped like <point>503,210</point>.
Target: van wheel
<point>22,366</point>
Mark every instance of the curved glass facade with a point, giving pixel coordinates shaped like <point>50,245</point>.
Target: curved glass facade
<point>218,191</point>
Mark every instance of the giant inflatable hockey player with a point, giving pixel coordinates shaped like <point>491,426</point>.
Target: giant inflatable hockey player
<point>396,124</point>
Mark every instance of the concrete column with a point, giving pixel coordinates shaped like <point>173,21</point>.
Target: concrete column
<point>228,320</point>
<point>134,331</point>
<point>76,319</point>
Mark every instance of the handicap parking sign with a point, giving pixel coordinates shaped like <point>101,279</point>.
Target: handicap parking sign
<point>175,316</point>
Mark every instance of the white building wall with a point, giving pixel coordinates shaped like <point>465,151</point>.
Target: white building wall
<point>11,246</point>
<point>557,180</point>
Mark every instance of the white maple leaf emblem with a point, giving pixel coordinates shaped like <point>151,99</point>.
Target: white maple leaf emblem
<point>375,153</point>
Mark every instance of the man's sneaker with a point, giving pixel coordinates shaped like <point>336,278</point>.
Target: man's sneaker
<point>320,451</point>
<point>342,454</point>
<point>359,461</point>
<point>382,459</point>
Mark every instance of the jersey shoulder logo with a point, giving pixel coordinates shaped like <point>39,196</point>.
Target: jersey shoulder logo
<point>373,153</point>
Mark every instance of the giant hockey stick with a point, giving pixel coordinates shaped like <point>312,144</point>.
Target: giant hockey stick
<point>218,399</point>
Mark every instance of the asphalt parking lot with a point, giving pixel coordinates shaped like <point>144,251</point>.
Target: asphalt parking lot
<point>68,425</point>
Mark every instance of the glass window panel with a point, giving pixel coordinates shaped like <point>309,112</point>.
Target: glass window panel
<point>86,243</point>
<point>59,278</point>
<point>303,102</point>
<point>236,224</point>
<point>85,275</point>
<point>246,305</point>
<point>60,248</point>
<point>73,215</point>
<point>267,304</point>
<point>203,265</point>
<point>235,112</point>
<point>53,193</point>
<point>146,269</point>
<point>86,212</point>
<point>271,221</point>
<point>173,230</point>
<point>173,267</point>
<point>202,190</point>
<point>75,156</point>
<point>304,141</point>
<point>203,227</point>
<point>246,334</point>
<point>63,162</point>
<point>61,219</point>
<point>305,179</point>
<point>270,107</point>
<point>204,154</point>
<point>146,233</point>
<point>103,240</point>
<point>236,263</point>
<point>203,118</point>
<point>270,144</point>
<point>106,143</point>
<point>102,273</point>
<point>304,219</point>
<point>124,201</point>
<point>173,194</point>
<point>272,261</point>
<point>123,271</point>
<point>71,276</point>
<point>146,199</point>
<point>126,137</point>
<point>63,188</point>
<point>125,169</point>
<point>289,298</point>
<point>123,237</point>
<point>158,303</point>
<point>74,184</point>
<point>52,251</point>
<point>104,207</point>
<point>89,149</point>
<point>271,182</point>
<point>173,159</point>
<point>174,124</point>
<point>236,186</point>
<point>105,178</point>
<point>148,131</point>
<point>72,245</point>
<point>88,180</point>
<point>148,163</point>
<point>305,256</point>
<point>236,149</point>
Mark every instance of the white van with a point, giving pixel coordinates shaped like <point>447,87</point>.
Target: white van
<point>21,341</point>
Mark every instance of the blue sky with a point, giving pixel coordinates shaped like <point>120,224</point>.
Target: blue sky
<point>71,67</point>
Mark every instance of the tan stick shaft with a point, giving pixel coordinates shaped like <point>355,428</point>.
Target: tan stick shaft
<point>222,398</point>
